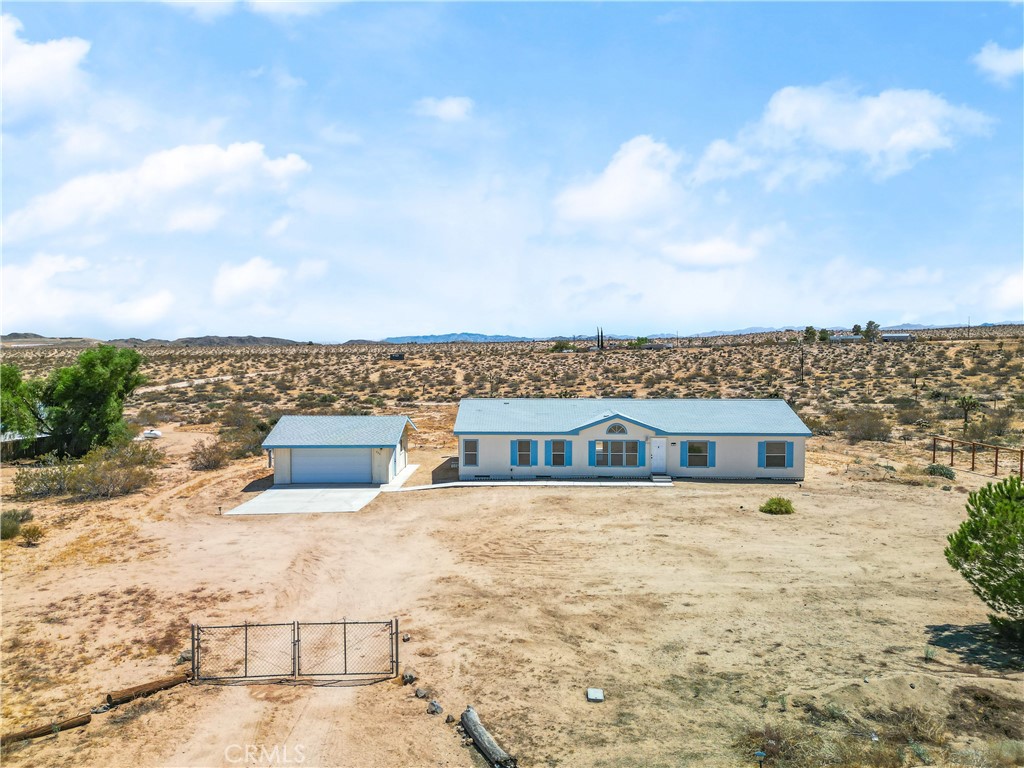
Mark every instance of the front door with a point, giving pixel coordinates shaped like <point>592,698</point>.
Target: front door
<point>657,455</point>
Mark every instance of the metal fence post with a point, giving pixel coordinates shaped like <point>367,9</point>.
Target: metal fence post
<point>195,655</point>
<point>245,652</point>
<point>295,649</point>
<point>396,647</point>
<point>344,645</point>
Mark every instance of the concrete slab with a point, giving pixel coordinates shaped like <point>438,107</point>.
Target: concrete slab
<point>317,499</point>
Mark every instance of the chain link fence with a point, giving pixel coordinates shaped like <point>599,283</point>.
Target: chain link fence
<point>297,649</point>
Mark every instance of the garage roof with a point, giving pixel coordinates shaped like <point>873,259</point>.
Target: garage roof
<point>337,432</point>
<point>567,416</point>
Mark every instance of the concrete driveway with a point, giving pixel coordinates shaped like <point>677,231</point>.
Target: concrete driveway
<point>317,499</point>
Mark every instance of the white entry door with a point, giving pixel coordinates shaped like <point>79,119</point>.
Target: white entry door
<point>658,455</point>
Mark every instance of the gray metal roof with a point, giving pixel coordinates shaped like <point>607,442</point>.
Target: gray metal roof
<point>666,416</point>
<point>337,432</point>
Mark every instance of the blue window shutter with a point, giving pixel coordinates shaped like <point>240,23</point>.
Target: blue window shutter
<point>789,455</point>
<point>568,453</point>
<point>761,448</point>
<point>547,453</point>
<point>684,454</point>
<point>641,453</point>
<point>711,454</point>
<point>592,447</point>
<point>515,453</point>
<point>533,453</point>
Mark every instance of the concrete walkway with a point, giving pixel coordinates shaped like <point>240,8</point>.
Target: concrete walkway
<point>317,499</point>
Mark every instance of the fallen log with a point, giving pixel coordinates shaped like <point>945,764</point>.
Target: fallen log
<point>488,747</point>
<point>120,697</point>
<point>45,730</point>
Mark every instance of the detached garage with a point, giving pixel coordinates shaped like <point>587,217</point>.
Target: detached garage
<point>338,449</point>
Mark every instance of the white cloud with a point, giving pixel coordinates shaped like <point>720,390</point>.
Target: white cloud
<point>196,219</point>
<point>55,292</point>
<point>806,132</point>
<point>451,109</point>
<point>204,10</point>
<point>149,186</point>
<point>636,184</point>
<point>336,134</point>
<point>38,76</point>
<point>278,226</point>
<point>309,269</point>
<point>714,252</point>
<point>253,280</point>
<point>283,9</point>
<point>999,64</point>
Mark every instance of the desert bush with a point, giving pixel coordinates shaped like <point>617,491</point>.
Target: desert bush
<point>866,424</point>
<point>208,454</point>
<point>103,472</point>
<point>988,551</point>
<point>11,520</point>
<point>940,470</point>
<point>31,534</point>
<point>777,505</point>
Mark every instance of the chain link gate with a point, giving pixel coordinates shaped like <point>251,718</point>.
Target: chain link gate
<point>294,650</point>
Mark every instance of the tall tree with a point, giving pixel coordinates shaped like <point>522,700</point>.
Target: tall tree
<point>84,402</point>
<point>824,334</point>
<point>856,329</point>
<point>19,411</point>
<point>871,330</point>
<point>80,406</point>
<point>810,334</point>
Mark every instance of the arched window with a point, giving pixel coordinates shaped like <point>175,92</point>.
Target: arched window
<point>616,429</point>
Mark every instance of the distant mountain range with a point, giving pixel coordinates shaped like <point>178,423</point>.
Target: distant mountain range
<point>35,339</point>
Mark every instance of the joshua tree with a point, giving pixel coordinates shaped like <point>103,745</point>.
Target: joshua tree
<point>967,404</point>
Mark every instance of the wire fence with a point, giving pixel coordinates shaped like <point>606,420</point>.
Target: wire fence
<point>293,650</point>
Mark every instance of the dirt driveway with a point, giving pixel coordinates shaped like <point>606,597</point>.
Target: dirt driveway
<point>689,607</point>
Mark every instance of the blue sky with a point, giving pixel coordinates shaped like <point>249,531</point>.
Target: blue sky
<point>325,172</point>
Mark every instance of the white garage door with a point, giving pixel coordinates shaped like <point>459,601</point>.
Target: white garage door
<point>330,465</point>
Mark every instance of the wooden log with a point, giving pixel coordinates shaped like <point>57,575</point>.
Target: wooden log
<point>488,747</point>
<point>45,730</point>
<point>120,697</point>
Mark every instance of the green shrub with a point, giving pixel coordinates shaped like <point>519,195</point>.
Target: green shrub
<point>11,520</point>
<point>31,534</point>
<point>103,472</point>
<point>867,424</point>
<point>940,470</point>
<point>777,505</point>
<point>208,454</point>
<point>988,551</point>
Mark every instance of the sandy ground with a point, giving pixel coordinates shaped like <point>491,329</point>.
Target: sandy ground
<point>695,612</point>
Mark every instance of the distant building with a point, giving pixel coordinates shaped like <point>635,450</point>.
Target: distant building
<point>845,339</point>
<point>397,356</point>
<point>897,337</point>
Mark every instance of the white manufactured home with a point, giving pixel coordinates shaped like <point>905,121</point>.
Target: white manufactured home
<point>338,449</point>
<point>531,438</point>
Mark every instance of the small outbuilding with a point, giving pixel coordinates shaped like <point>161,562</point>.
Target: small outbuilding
<point>338,449</point>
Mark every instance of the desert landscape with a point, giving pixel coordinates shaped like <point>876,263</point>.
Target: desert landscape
<point>837,635</point>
